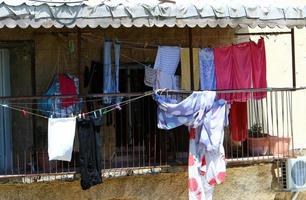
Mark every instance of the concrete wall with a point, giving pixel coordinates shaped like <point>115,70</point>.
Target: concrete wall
<point>242,183</point>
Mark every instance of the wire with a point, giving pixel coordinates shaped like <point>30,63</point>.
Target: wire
<point>112,107</point>
<point>20,110</point>
<point>132,59</point>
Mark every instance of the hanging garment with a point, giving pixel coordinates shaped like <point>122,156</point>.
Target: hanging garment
<point>259,67</point>
<point>111,79</point>
<point>67,87</point>
<point>206,119</point>
<point>167,59</point>
<point>238,120</point>
<point>53,106</point>
<point>207,69</point>
<point>150,76</point>
<point>241,66</point>
<point>166,63</point>
<point>61,133</point>
<point>164,80</point>
<point>233,70</point>
<point>90,145</point>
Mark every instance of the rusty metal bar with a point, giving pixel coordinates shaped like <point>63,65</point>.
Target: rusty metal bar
<point>293,58</point>
<point>265,33</point>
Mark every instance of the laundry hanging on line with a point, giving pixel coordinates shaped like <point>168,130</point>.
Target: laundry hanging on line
<point>61,132</point>
<point>241,66</point>
<point>166,63</point>
<point>206,118</point>
<point>238,121</point>
<point>207,69</point>
<point>61,107</point>
<point>89,149</point>
<point>110,74</point>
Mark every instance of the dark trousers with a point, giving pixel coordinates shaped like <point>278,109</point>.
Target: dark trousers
<point>89,144</point>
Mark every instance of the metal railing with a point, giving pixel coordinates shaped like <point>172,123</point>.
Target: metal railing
<point>131,139</point>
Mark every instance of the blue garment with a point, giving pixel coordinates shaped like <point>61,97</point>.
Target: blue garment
<point>206,118</point>
<point>111,80</point>
<point>52,106</point>
<point>196,111</point>
<point>207,69</point>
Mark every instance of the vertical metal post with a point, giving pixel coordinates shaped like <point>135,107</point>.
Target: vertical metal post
<point>79,54</point>
<point>191,58</point>
<point>293,58</point>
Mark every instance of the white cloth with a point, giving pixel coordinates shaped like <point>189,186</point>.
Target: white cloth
<point>61,133</point>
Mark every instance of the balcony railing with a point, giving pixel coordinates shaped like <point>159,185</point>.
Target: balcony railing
<point>131,140</point>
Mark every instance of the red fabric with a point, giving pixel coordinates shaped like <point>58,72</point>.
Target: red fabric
<point>242,69</point>
<point>259,67</point>
<point>67,87</point>
<point>224,71</point>
<point>238,121</point>
<point>240,66</point>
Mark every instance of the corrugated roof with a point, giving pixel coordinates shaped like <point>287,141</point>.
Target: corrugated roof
<point>127,13</point>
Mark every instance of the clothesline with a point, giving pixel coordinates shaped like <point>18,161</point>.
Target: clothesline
<point>101,111</point>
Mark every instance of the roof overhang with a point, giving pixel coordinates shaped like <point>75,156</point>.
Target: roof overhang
<point>150,13</point>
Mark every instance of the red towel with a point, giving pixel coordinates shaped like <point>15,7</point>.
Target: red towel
<point>259,67</point>
<point>67,87</point>
<point>241,66</point>
<point>238,121</point>
<point>233,70</point>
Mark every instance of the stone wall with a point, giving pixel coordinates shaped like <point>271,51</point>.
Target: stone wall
<point>242,183</point>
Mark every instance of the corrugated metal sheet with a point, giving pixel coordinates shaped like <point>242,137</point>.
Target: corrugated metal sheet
<point>127,13</point>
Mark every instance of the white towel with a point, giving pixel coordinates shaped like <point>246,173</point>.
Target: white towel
<point>61,133</point>
<point>167,59</point>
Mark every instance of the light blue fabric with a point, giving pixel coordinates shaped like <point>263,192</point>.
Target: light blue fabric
<point>111,79</point>
<point>200,110</point>
<point>207,69</point>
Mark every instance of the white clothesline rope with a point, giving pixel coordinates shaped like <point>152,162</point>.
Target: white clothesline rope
<point>102,110</point>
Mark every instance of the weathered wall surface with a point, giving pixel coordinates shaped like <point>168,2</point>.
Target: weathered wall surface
<point>242,183</point>
<point>56,51</point>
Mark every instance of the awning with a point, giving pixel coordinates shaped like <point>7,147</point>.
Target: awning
<point>149,13</point>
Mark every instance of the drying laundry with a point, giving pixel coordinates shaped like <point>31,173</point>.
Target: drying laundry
<point>238,121</point>
<point>164,80</point>
<point>111,77</point>
<point>206,118</point>
<point>54,106</point>
<point>259,67</point>
<point>207,69</point>
<point>150,76</point>
<point>240,66</point>
<point>167,59</point>
<point>166,63</point>
<point>90,144</point>
<point>61,133</point>
<point>67,87</point>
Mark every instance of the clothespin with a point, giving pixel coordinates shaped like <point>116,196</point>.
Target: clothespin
<point>95,114</point>
<point>118,106</point>
<point>100,112</point>
<point>24,113</point>
<point>83,115</point>
<point>79,116</point>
